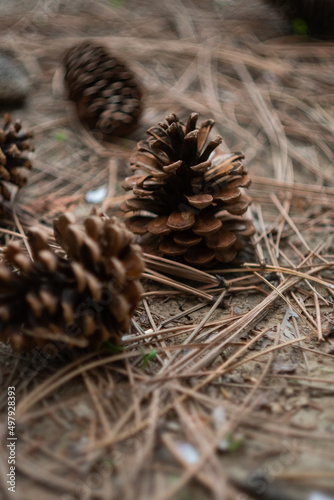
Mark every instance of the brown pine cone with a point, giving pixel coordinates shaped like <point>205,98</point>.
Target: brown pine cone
<point>106,92</point>
<point>187,198</point>
<point>82,300</point>
<point>14,161</point>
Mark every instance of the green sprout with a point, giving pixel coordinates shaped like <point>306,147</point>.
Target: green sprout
<point>60,136</point>
<point>107,463</point>
<point>300,27</point>
<point>185,495</point>
<point>113,348</point>
<point>148,357</point>
<point>116,3</point>
<point>234,442</point>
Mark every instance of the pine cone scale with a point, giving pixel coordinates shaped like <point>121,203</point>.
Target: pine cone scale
<point>170,248</point>
<point>181,221</point>
<point>200,255</point>
<point>200,200</point>
<point>203,134</point>
<point>240,207</point>
<point>221,240</point>
<point>227,196</point>
<point>206,224</point>
<point>159,226</point>
<point>187,239</point>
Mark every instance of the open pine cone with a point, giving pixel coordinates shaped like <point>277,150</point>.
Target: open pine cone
<point>82,300</point>
<point>189,200</point>
<point>106,92</point>
<point>14,161</point>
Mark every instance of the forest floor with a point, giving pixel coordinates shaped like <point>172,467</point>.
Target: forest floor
<point>222,393</point>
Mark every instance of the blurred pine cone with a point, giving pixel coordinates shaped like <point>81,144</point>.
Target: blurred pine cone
<point>187,198</point>
<point>106,92</point>
<point>308,17</point>
<point>14,161</point>
<point>82,300</point>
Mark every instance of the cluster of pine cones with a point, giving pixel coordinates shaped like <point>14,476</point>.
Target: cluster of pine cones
<point>187,202</point>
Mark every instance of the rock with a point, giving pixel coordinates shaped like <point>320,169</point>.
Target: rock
<point>14,83</point>
<point>283,368</point>
<point>238,310</point>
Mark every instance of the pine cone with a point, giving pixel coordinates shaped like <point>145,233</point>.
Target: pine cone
<point>106,92</point>
<point>14,162</point>
<point>81,300</point>
<point>318,15</point>
<point>188,200</point>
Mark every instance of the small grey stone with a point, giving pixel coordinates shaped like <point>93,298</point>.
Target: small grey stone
<point>238,310</point>
<point>14,83</point>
